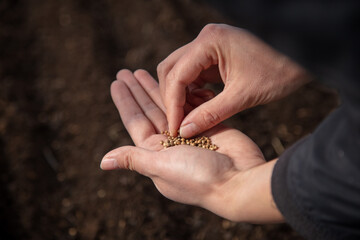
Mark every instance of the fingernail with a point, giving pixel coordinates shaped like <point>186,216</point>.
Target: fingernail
<point>189,130</point>
<point>108,164</point>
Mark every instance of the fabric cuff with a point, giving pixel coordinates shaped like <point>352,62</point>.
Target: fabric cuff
<point>285,201</point>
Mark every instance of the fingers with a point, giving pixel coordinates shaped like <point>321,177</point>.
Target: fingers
<point>174,116</point>
<point>208,115</point>
<point>211,74</point>
<point>151,87</point>
<point>203,94</point>
<point>147,105</point>
<point>186,70</point>
<point>182,68</point>
<point>166,65</point>
<point>132,158</point>
<point>133,118</point>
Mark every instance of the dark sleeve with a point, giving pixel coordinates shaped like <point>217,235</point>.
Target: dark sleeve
<point>316,182</point>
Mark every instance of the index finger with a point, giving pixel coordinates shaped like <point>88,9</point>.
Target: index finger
<point>185,71</point>
<point>165,67</point>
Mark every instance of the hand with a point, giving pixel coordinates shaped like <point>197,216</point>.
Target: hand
<point>253,74</point>
<point>217,181</point>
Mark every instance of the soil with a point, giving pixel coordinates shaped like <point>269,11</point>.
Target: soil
<point>57,120</point>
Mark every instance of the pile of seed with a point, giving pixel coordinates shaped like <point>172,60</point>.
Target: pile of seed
<point>203,142</point>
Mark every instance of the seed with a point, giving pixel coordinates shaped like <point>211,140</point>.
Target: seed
<point>202,142</point>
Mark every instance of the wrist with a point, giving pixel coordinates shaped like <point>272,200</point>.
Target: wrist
<point>293,76</point>
<point>246,197</point>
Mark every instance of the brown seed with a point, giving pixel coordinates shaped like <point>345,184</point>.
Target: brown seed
<point>203,142</point>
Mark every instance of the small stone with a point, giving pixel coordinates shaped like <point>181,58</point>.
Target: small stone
<point>72,232</point>
<point>66,202</point>
<point>122,223</point>
<point>101,193</point>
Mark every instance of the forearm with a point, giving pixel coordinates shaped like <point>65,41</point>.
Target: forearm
<point>247,197</point>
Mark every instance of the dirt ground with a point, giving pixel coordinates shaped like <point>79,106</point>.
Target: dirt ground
<point>57,120</point>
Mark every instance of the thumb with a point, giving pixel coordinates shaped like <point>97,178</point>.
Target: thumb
<point>208,115</point>
<point>131,158</point>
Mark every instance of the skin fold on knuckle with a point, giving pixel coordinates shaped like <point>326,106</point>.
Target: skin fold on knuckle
<point>210,29</point>
<point>209,118</point>
<point>213,32</point>
<point>128,162</point>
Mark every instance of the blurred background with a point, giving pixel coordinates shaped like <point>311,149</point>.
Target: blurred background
<point>57,120</point>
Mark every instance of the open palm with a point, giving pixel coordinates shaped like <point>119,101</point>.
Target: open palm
<point>182,173</point>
